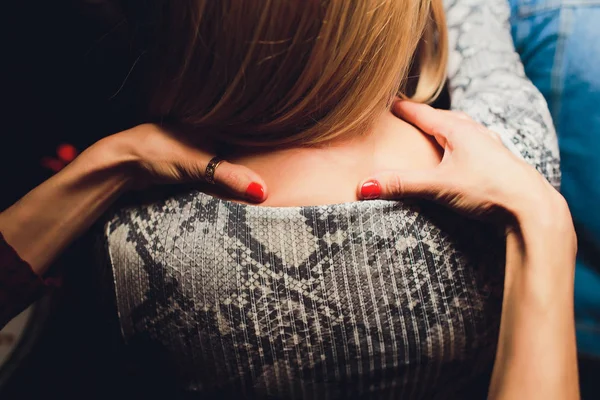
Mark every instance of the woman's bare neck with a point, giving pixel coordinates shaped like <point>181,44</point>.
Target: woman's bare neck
<point>330,173</point>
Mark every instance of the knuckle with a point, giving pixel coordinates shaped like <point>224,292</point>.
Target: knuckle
<point>463,115</point>
<point>230,177</point>
<point>393,186</point>
<point>495,136</point>
<point>489,132</point>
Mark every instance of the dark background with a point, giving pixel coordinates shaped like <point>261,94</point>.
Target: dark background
<point>63,72</point>
<point>63,63</point>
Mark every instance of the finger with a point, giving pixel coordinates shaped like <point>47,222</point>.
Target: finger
<point>463,116</point>
<point>399,184</point>
<point>241,181</point>
<point>431,121</point>
<point>494,135</point>
<point>457,114</point>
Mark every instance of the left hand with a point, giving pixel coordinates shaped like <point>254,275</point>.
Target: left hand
<point>47,219</point>
<point>162,156</point>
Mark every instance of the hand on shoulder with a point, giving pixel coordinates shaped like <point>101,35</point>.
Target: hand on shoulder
<point>153,154</point>
<point>476,176</point>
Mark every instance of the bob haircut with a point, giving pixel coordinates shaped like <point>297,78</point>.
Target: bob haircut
<point>293,72</point>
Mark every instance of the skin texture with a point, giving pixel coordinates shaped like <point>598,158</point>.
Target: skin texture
<point>328,174</point>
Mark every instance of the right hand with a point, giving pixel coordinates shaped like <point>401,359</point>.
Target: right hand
<point>477,173</point>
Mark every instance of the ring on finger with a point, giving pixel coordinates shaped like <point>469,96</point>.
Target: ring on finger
<point>209,172</point>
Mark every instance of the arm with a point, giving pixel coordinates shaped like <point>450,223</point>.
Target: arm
<point>46,220</point>
<point>487,82</point>
<point>537,356</point>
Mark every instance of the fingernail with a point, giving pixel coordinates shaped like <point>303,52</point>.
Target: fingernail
<point>255,192</point>
<point>370,190</point>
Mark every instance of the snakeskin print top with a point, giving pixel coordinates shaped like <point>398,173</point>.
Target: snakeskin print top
<point>310,302</point>
<point>357,300</point>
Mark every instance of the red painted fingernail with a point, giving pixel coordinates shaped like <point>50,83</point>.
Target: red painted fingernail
<point>255,192</point>
<point>370,190</point>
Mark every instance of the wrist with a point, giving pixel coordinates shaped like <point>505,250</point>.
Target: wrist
<point>549,214</point>
<point>547,234</point>
<point>536,205</point>
<point>114,156</point>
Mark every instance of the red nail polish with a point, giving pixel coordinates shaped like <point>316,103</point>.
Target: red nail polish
<point>370,190</point>
<point>255,192</point>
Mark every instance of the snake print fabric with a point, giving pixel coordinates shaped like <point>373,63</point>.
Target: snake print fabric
<point>357,300</point>
<point>310,302</point>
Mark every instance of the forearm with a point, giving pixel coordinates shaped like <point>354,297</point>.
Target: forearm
<point>536,356</point>
<point>45,221</point>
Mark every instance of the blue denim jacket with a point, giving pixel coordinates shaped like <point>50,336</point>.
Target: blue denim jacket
<point>559,44</point>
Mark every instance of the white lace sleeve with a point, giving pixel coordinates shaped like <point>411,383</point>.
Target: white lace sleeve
<point>487,81</point>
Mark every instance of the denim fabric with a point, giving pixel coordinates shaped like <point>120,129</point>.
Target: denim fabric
<point>559,44</point>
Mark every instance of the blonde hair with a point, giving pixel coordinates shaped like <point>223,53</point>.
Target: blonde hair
<point>294,72</point>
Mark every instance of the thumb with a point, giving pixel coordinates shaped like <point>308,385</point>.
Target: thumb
<point>241,181</point>
<point>399,184</point>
